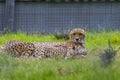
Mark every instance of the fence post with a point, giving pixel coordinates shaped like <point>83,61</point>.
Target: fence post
<point>9,16</point>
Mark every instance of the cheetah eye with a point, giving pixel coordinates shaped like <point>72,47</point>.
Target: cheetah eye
<point>73,33</point>
<point>80,33</point>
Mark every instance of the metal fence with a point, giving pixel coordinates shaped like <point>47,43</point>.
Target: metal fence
<point>52,17</point>
<point>2,12</point>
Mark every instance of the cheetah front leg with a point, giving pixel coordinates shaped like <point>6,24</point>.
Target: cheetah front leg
<point>73,52</point>
<point>67,55</point>
<point>83,51</point>
<point>70,52</point>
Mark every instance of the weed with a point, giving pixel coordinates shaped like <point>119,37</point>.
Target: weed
<point>108,56</point>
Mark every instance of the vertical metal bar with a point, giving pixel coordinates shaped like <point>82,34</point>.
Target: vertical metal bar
<point>9,15</point>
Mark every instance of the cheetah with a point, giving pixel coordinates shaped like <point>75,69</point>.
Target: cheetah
<point>72,48</point>
<point>75,46</point>
<point>35,50</point>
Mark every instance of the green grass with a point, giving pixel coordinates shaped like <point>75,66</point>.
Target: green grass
<point>28,38</point>
<point>89,68</point>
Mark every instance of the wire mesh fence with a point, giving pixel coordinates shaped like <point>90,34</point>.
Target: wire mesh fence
<point>53,17</point>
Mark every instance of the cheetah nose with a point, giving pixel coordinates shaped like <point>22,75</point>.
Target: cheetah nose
<point>77,39</point>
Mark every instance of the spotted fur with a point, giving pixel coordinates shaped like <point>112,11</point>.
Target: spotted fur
<point>19,48</point>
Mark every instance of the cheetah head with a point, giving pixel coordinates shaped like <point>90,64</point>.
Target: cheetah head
<point>77,35</point>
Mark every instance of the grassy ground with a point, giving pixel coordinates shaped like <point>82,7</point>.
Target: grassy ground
<point>89,68</point>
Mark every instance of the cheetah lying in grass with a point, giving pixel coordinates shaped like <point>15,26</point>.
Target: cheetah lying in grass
<point>74,47</point>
